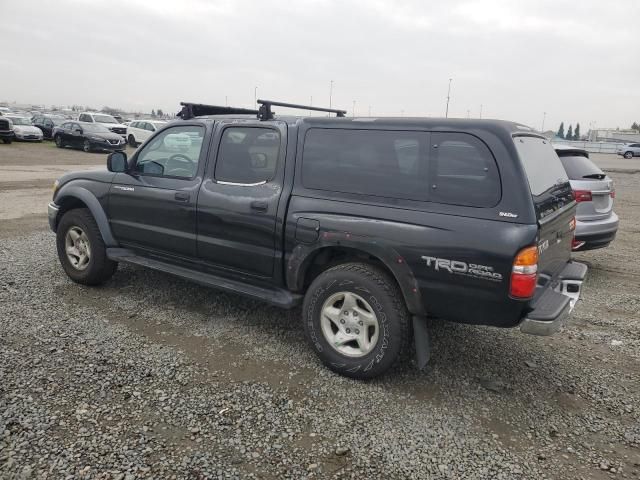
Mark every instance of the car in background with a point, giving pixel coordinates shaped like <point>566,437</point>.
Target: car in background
<point>88,136</point>
<point>4,111</point>
<point>47,123</point>
<point>24,130</point>
<point>139,131</point>
<point>6,130</point>
<point>629,150</point>
<point>596,222</point>
<point>104,119</point>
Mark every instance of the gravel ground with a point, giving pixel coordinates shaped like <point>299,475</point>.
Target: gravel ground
<point>149,376</point>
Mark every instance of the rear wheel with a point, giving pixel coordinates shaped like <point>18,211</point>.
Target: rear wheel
<point>356,320</point>
<point>59,141</point>
<point>6,140</point>
<point>81,250</point>
<point>86,146</point>
<point>132,141</point>
<point>628,154</point>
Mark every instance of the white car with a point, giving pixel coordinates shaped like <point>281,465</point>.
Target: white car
<point>139,131</point>
<point>24,130</point>
<point>107,120</point>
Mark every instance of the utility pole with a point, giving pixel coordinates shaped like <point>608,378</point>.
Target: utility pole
<point>369,110</point>
<point>310,104</point>
<point>468,113</point>
<point>481,111</point>
<point>544,116</point>
<point>226,101</point>
<point>446,115</point>
<point>330,92</point>
<point>353,113</point>
<point>255,96</point>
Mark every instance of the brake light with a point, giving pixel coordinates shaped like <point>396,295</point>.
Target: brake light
<point>524,274</point>
<point>612,193</point>
<point>582,195</point>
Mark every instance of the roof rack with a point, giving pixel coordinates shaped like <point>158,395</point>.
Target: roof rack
<point>190,110</point>
<point>265,113</point>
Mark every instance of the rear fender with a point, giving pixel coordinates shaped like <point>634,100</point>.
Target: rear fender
<point>301,258</point>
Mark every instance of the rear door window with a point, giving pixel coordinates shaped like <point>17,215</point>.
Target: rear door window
<point>247,155</point>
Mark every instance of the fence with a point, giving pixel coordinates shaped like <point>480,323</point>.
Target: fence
<point>591,147</point>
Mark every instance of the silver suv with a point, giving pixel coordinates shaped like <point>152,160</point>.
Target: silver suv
<point>596,222</point>
<point>629,150</point>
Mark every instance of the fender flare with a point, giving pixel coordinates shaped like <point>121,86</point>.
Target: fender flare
<point>300,258</point>
<point>92,203</point>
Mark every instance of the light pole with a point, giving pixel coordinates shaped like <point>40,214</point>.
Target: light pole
<point>369,110</point>
<point>468,113</point>
<point>446,115</point>
<point>544,116</point>
<point>310,104</point>
<point>226,101</point>
<point>481,111</point>
<point>255,96</point>
<point>353,113</point>
<point>330,92</point>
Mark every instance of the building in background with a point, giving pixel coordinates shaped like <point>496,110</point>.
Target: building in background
<point>614,135</point>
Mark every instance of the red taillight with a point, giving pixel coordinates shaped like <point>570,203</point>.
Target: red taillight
<point>612,193</point>
<point>582,195</point>
<point>524,274</point>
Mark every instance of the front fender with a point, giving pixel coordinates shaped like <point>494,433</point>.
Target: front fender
<point>302,256</point>
<point>70,191</point>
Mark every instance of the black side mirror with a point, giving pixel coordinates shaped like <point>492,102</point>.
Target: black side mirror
<point>78,130</point>
<point>117,162</point>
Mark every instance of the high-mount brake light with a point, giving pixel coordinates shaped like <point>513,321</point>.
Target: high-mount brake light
<point>524,274</point>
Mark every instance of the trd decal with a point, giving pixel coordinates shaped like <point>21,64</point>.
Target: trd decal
<point>458,267</point>
<point>126,189</point>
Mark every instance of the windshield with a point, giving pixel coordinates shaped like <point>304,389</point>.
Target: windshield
<point>93,128</point>
<point>104,119</point>
<point>20,120</point>
<point>57,120</point>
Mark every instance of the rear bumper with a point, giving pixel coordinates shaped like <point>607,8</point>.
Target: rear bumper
<point>553,306</point>
<point>597,233</point>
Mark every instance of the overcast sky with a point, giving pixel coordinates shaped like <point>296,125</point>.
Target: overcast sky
<point>577,60</point>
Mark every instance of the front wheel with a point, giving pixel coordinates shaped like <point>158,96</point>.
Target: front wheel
<point>628,154</point>
<point>132,141</point>
<point>81,250</point>
<point>356,320</point>
<point>59,141</point>
<point>6,141</point>
<point>86,146</point>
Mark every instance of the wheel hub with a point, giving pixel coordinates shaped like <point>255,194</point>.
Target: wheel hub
<point>349,324</point>
<point>77,248</point>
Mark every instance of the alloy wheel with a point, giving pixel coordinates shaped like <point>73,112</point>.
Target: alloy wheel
<point>77,248</point>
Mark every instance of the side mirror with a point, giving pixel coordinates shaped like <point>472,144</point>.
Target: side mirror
<point>78,130</point>
<point>117,162</point>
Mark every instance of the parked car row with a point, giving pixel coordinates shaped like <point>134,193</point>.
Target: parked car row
<point>88,136</point>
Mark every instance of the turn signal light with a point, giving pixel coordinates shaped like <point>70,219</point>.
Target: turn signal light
<point>524,274</point>
<point>582,195</point>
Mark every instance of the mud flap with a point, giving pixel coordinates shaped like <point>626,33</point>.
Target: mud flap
<point>422,341</point>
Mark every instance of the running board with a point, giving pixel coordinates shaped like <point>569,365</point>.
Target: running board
<point>276,296</point>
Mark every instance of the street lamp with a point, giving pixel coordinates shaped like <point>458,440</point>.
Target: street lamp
<point>255,96</point>
<point>353,113</point>
<point>330,92</point>
<point>446,115</point>
<point>544,116</point>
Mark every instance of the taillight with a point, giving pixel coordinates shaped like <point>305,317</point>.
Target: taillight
<point>582,195</point>
<point>524,274</point>
<point>612,193</point>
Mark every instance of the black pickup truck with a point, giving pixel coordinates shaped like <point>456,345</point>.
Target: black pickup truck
<point>371,224</point>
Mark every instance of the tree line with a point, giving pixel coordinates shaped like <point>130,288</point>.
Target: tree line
<point>571,134</point>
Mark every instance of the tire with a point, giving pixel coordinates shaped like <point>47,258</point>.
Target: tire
<point>98,268</point>
<point>132,141</point>
<point>7,141</point>
<point>381,297</point>
<point>86,146</point>
<point>59,141</point>
<point>628,154</point>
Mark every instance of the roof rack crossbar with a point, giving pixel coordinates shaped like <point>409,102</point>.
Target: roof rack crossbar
<point>265,112</point>
<point>190,110</point>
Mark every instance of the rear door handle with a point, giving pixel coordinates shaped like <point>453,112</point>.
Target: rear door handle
<point>182,196</point>
<point>260,206</point>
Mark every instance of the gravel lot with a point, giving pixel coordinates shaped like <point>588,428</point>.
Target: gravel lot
<point>153,377</point>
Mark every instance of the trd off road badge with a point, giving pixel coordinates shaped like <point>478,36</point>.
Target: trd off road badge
<point>457,267</point>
